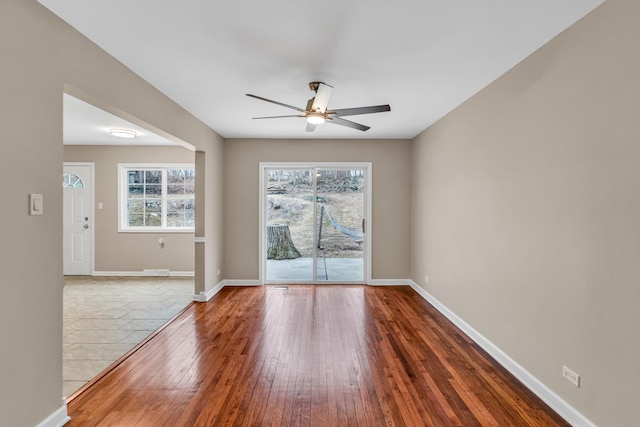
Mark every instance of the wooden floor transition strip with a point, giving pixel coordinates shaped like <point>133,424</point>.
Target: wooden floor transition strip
<point>124,357</point>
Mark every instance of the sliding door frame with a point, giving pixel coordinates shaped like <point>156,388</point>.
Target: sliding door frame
<point>366,166</point>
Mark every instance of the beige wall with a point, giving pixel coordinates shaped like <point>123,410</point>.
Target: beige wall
<point>30,255</point>
<point>525,213</point>
<point>390,217</point>
<point>524,210</point>
<point>40,55</point>
<point>212,224</point>
<point>130,252</point>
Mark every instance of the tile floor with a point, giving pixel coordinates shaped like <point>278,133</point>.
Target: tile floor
<point>105,317</point>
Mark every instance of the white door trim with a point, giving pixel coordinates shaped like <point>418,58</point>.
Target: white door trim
<point>367,166</point>
<point>91,166</point>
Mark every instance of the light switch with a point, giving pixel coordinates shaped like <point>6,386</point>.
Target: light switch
<point>100,205</point>
<point>36,204</point>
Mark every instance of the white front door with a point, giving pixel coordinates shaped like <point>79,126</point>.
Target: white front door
<point>78,219</point>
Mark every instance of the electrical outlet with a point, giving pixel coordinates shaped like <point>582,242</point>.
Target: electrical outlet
<point>571,376</point>
<point>426,279</point>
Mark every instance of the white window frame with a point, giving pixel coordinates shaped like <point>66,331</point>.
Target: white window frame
<point>123,214</point>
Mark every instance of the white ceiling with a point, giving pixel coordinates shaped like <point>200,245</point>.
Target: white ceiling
<point>85,124</point>
<point>423,57</point>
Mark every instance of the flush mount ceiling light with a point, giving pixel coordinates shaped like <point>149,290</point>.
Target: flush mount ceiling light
<point>123,133</point>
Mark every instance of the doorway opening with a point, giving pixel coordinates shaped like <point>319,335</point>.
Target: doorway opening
<point>315,222</point>
<point>120,282</point>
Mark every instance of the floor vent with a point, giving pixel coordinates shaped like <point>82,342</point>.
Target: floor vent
<point>164,273</point>
<point>280,288</point>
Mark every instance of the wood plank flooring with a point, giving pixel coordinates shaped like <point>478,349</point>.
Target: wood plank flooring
<point>310,356</point>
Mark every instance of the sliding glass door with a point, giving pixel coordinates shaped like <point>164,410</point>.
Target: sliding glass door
<point>339,225</point>
<point>314,223</point>
<point>289,224</point>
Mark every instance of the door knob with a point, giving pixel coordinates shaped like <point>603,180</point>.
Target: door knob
<point>86,226</point>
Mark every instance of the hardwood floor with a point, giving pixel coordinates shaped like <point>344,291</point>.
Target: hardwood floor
<point>310,355</point>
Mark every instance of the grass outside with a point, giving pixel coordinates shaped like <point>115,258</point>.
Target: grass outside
<point>296,211</point>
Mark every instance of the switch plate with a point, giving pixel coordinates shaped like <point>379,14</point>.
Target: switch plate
<point>36,204</point>
<point>571,376</point>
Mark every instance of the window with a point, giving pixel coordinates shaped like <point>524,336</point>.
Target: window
<point>70,180</point>
<point>157,197</point>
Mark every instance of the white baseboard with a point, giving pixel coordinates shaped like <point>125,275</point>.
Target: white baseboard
<point>143,274</point>
<point>57,419</point>
<point>241,282</point>
<point>206,296</point>
<point>390,282</point>
<point>566,411</point>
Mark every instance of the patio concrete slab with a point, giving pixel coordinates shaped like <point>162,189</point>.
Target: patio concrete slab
<point>331,269</point>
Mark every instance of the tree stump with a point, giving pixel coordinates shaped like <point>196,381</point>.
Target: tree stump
<point>279,243</point>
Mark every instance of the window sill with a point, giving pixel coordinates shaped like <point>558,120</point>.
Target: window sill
<point>158,231</point>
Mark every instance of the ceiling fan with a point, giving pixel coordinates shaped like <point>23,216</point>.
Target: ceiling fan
<point>317,113</point>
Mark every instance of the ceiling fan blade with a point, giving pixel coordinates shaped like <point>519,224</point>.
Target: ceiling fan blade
<point>361,110</point>
<point>310,127</point>
<point>277,117</point>
<point>275,102</point>
<point>321,100</point>
<point>347,123</point>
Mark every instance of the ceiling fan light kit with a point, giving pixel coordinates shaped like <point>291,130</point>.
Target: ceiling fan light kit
<point>315,118</point>
<point>316,112</point>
